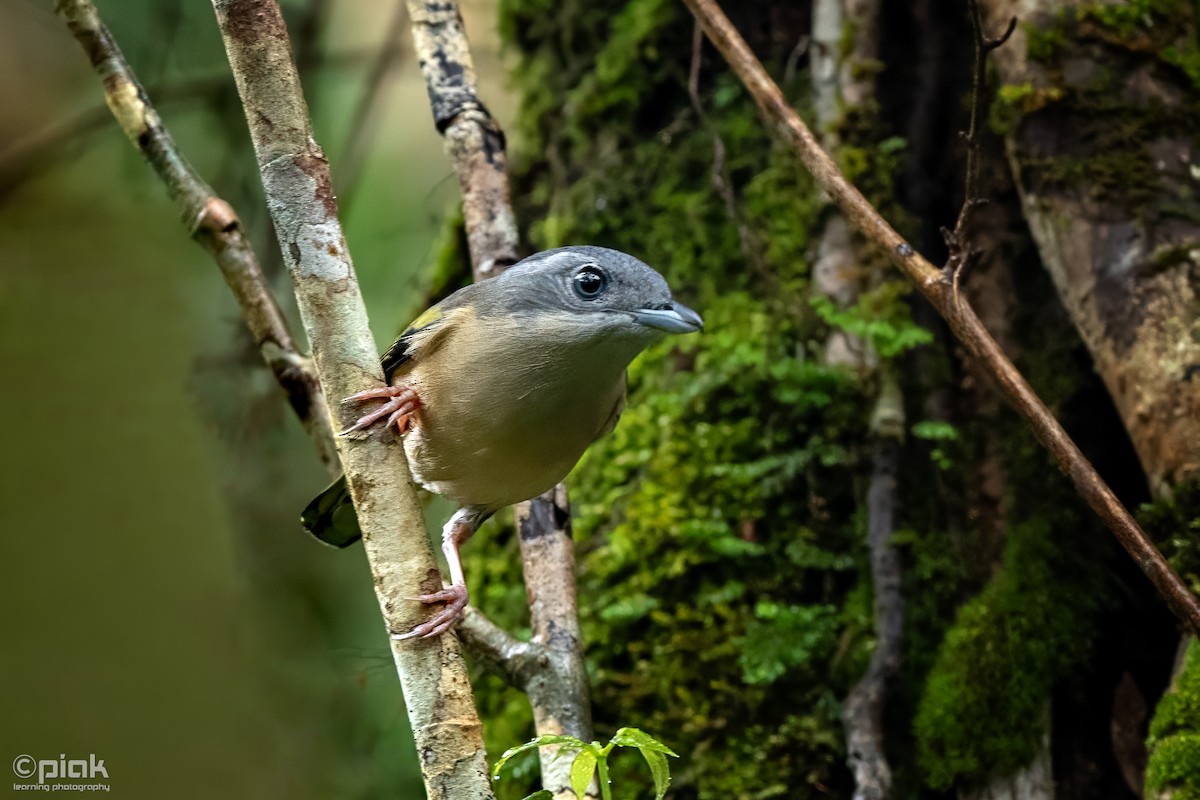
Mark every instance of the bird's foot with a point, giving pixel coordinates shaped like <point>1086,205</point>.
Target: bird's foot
<point>455,598</point>
<point>402,403</point>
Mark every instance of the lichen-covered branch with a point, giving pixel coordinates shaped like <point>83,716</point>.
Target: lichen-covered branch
<point>557,687</point>
<point>474,141</point>
<point>296,180</point>
<point>210,220</point>
<point>963,322</point>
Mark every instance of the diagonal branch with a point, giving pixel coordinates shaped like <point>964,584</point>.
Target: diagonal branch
<point>785,122</point>
<point>210,220</point>
<point>365,119</point>
<point>557,684</point>
<point>295,176</point>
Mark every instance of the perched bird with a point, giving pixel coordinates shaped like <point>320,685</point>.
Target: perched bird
<point>501,387</point>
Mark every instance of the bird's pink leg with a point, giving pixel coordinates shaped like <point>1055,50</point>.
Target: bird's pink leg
<point>402,403</point>
<point>460,528</point>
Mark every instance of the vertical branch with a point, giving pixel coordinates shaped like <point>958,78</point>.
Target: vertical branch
<point>210,221</point>
<point>474,142</point>
<point>365,118</point>
<point>558,691</point>
<point>557,688</point>
<point>295,176</point>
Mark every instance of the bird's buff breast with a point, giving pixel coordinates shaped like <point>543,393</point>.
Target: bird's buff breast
<point>507,410</point>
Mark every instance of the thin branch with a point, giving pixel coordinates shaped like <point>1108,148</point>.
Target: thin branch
<point>557,689</point>
<point>962,320</point>
<point>722,181</point>
<point>296,179</point>
<point>499,650</point>
<point>961,255</point>
<point>365,119</point>
<point>210,220</point>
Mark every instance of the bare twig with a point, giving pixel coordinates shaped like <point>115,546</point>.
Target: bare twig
<point>210,220</point>
<point>365,119</point>
<point>557,687</point>
<point>784,121</point>
<point>722,181</point>
<point>296,178</point>
<point>960,253</point>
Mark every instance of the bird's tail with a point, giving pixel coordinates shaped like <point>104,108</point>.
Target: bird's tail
<point>330,516</point>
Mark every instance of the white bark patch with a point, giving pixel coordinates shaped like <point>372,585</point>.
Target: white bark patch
<point>322,252</point>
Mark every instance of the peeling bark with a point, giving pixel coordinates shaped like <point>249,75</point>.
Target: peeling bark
<point>210,221</point>
<point>1126,272</point>
<point>295,175</point>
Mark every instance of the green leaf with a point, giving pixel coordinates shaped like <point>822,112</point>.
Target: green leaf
<point>540,741</point>
<point>935,430</point>
<point>659,769</point>
<point>581,771</point>
<point>543,794</point>
<point>632,737</point>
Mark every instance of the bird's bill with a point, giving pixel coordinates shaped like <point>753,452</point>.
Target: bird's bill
<point>676,319</point>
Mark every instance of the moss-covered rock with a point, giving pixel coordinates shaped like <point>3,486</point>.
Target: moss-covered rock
<point>1174,745</point>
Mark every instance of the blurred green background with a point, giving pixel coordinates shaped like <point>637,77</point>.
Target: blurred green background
<point>162,607</point>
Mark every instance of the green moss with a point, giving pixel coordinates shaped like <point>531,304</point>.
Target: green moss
<point>1174,743</point>
<point>724,584</point>
<point>1044,44</point>
<point>985,705</point>
<point>1174,524</point>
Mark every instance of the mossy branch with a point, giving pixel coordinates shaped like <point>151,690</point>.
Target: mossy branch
<point>932,282</point>
<point>296,180</point>
<point>556,681</point>
<point>210,221</point>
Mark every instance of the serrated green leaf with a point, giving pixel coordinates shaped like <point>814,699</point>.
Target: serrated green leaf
<point>659,769</point>
<point>540,741</point>
<point>632,737</point>
<point>581,771</point>
<point>542,794</point>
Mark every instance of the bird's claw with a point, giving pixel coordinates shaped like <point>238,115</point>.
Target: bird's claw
<point>455,598</point>
<point>402,403</point>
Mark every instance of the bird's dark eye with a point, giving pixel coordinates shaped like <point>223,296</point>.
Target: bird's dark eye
<point>590,282</point>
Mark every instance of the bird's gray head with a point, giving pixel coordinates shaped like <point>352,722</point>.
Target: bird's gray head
<point>598,284</point>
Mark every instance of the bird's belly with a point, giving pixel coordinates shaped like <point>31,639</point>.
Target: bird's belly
<point>499,444</point>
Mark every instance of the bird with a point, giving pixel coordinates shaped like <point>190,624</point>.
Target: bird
<point>498,390</point>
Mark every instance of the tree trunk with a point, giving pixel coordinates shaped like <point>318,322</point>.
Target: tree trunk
<point>1104,149</point>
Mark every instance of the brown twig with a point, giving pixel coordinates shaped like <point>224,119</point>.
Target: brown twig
<point>958,243</point>
<point>474,140</point>
<point>557,687</point>
<point>722,181</point>
<point>295,176</point>
<point>365,119</point>
<point>961,319</point>
<point>210,220</point>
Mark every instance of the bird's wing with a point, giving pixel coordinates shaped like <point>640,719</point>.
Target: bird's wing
<point>419,338</point>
